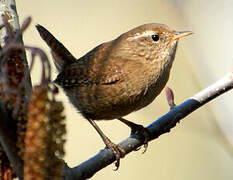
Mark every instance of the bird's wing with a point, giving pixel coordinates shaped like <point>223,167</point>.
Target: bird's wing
<point>74,75</point>
<point>111,74</point>
<point>78,74</point>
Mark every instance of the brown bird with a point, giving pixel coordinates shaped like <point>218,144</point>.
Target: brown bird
<point>116,77</point>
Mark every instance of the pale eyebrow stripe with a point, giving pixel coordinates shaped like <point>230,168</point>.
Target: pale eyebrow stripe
<point>139,35</point>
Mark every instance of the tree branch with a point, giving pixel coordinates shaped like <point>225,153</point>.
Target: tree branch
<point>162,125</point>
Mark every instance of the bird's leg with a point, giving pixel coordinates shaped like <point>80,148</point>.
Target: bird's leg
<point>138,129</point>
<point>117,150</point>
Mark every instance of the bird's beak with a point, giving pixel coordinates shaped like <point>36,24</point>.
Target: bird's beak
<point>178,35</point>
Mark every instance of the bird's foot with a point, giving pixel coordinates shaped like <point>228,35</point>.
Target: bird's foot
<point>140,130</point>
<point>117,150</point>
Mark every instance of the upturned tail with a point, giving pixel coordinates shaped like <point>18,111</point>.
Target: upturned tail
<point>61,55</point>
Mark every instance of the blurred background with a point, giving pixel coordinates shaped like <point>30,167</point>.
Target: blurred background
<point>201,145</point>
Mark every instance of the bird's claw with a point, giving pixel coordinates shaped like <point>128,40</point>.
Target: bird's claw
<point>118,152</point>
<point>145,147</point>
<point>144,132</point>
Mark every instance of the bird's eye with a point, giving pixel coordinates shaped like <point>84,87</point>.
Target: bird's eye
<point>155,37</point>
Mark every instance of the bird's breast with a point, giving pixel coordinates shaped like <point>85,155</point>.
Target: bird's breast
<point>137,88</point>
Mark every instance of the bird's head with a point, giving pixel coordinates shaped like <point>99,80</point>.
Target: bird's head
<point>149,41</point>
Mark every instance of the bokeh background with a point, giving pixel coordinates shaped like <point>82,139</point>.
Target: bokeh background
<point>200,146</point>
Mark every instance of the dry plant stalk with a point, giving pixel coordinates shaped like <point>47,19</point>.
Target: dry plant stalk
<point>13,92</point>
<point>41,115</point>
<point>45,135</point>
<point>12,89</point>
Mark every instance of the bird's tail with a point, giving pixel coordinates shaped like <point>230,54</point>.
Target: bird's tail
<point>61,55</point>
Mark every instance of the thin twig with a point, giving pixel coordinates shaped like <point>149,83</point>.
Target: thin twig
<point>162,125</point>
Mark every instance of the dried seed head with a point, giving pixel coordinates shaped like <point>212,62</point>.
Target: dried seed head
<point>14,93</point>
<point>45,136</point>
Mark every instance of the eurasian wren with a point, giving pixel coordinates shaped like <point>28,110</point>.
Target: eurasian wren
<point>116,77</point>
